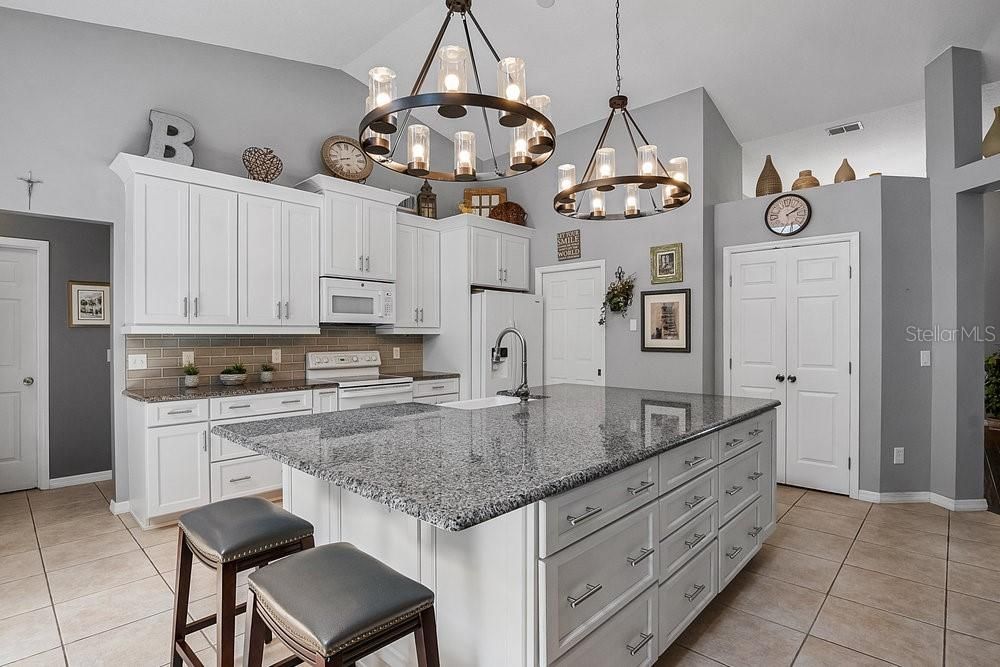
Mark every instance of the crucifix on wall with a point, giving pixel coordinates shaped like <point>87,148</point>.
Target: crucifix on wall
<point>31,183</point>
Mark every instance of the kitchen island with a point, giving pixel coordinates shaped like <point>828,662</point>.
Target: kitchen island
<point>587,527</point>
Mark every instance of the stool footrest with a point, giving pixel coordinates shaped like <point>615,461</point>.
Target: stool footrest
<point>207,621</point>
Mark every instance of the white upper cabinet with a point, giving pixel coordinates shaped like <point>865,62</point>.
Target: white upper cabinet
<point>380,241</point>
<point>160,242</point>
<point>429,278</point>
<point>499,259</point>
<point>407,288</point>
<point>213,233</point>
<point>514,260</point>
<point>418,276</point>
<point>342,236</point>
<point>300,281</point>
<point>260,272</point>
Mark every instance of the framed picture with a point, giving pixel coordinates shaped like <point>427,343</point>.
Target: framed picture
<point>662,420</point>
<point>666,263</point>
<point>480,200</point>
<point>666,321</point>
<point>89,304</point>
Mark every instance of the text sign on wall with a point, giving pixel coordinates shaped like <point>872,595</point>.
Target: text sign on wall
<point>568,245</point>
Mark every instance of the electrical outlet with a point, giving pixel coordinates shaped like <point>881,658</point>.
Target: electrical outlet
<point>633,325</point>
<point>187,357</point>
<point>897,455</point>
<point>276,356</point>
<point>395,353</point>
<point>925,357</point>
<point>137,362</point>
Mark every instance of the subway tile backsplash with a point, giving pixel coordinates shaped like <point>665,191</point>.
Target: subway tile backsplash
<point>214,353</point>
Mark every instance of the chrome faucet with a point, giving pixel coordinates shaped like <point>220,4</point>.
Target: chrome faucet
<point>522,390</point>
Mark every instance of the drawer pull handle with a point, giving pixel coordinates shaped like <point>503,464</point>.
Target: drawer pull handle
<point>694,502</point>
<point>591,589</point>
<point>698,537</point>
<point>642,488</point>
<point>733,443</point>
<point>733,491</point>
<point>755,476</point>
<point>694,592</point>
<point>643,640</point>
<point>698,460</point>
<point>437,386</point>
<point>590,513</point>
<point>241,406</point>
<point>180,412</point>
<point>756,531</point>
<point>240,479</point>
<point>754,433</point>
<point>643,555</point>
<point>291,401</point>
<point>734,552</point>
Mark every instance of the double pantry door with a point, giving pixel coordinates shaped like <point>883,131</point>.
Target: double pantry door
<point>790,338</point>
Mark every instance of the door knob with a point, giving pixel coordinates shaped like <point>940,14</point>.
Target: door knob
<point>792,378</point>
<point>28,381</point>
<point>779,377</point>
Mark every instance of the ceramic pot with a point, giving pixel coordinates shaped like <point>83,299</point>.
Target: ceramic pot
<point>845,173</point>
<point>805,180</point>
<point>266,376</point>
<point>232,379</point>
<point>991,142</point>
<point>192,381</point>
<point>769,181</point>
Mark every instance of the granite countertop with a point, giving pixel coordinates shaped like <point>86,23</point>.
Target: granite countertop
<point>215,391</point>
<point>459,468</point>
<point>419,376</point>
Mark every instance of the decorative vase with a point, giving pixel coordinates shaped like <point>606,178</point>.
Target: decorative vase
<point>845,173</point>
<point>769,181</point>
<point>232,379</point>
<point>192,381</point>
<point>991,142</point>
<point>266,376</point>
<point>805,180</point>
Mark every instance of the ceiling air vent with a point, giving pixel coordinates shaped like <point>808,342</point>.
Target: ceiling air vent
<point>853,126</point>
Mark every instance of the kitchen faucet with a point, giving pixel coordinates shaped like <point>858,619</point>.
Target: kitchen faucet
<point>522,392</point>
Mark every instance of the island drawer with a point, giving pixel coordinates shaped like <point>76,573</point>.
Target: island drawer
<point>688,461</point>
<point>741,480</point>
<point>435,387</point>
<point>586,583</point>
<point>570,516</point>
<point>740,437</point>
<point>685,594</point>
<point>261,404</point>
<point>224,450</point>
<point>683,503</point>
<point>688,540</point>
<point>245,477</point>
<point>176,412</point>
<point>627,639</point>
<point>739,540</point>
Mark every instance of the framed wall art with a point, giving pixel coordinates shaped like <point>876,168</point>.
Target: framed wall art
<point>666,263</point>
<point>568,245</point>
<point>89,304</point>
<point>480,200</point>
<point>666,321</point>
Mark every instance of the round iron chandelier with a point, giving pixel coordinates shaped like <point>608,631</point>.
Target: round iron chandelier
<point>532,139</point>
<point>600,176</point>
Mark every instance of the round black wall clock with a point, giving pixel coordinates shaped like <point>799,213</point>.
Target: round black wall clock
<point>787,215</point>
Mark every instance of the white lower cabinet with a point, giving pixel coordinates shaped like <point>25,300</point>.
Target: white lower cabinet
<point>684,595</point>
<point>627,640</point>
<point>433,392</point>
<point>177,472</point>
<point>245,477</point>
<point>739,540</point>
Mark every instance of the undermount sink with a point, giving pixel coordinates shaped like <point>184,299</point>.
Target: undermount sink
<point>481,403</point>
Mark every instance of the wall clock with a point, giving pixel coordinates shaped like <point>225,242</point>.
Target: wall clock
<point>345,159</point>
<point>787,215</point>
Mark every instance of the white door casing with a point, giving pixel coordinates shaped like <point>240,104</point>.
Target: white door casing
<point>573,340</point>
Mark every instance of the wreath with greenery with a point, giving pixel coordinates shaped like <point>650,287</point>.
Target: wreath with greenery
<point>993,385</point>
<point>618,298</point>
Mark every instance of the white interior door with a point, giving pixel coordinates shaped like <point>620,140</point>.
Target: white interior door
<point>818,385</point>
<point>574,341</point>
<point>18,369</point>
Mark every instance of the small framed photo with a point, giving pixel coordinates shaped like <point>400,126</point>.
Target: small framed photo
<point>89,304</point>
<point>663,420</point>
<point>666,263</point>
<point>666,321</point>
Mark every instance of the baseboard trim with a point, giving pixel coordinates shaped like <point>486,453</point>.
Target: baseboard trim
<point>974,505</point>
<point>119,508</point>
<point>73,480</point>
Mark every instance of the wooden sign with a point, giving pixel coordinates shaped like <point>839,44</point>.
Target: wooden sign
<point>568,245</point>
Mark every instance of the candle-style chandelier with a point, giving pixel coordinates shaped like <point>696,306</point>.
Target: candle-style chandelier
<point>600,177</point>
<point>532,139</point>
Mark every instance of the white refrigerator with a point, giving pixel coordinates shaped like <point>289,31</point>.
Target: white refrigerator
<point>492,312</point>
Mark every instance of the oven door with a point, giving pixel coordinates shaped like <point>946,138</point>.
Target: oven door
<point>352,398</point>
<point>356,302</point>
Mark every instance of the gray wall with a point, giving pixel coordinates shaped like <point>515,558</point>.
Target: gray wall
<point>79,382</point>
<point>686,125</point>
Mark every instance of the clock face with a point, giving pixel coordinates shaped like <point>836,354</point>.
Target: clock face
<point>787,215</point>
<point>344,158</point>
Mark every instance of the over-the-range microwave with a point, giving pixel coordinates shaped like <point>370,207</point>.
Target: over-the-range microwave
<point>345,301</point>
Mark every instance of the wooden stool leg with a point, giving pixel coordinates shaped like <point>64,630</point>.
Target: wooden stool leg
<point>225,614</point>
<point>253,639</point>
<point>182,591</point>
<point>426,637</point>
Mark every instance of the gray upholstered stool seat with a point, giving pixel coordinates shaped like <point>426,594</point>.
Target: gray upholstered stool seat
<point>233,529</point>
<point>333,596</point>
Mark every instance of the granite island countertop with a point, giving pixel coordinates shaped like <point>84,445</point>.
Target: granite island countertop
<point>459,468</point>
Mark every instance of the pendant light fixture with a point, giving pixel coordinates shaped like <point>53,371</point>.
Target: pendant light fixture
<point>604,171</point>
<point>532,135</point>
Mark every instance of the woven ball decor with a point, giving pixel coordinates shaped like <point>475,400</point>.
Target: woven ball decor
<point>509,212</point>
<point>262,164</point>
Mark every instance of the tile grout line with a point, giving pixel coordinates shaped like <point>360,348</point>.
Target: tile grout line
<point>48,587</point>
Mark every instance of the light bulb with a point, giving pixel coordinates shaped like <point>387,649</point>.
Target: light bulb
<point>605,170</point>
<point>513,91</point>
<point>521,146</point>
<point>418,152</point>
<point>647,167</point>
<point>630,202</point>
<point>597,203</point>
<point>463,156</point>
<point>565,183</point>
<point>382,98</point>
<point>451,82</point>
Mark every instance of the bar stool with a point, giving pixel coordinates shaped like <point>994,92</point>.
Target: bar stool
<point>335,604</point>
<point>228,536</point>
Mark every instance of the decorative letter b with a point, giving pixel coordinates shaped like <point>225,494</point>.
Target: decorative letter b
<point>169,138</point>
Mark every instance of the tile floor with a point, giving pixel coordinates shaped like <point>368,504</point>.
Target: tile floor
<point>839,583</point>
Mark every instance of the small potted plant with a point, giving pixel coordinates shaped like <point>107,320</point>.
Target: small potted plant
<point>233,375</point>
<point>191,377</point>
<point>266,372</point>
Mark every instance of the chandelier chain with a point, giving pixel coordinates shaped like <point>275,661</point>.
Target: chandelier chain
<point>618,46</point>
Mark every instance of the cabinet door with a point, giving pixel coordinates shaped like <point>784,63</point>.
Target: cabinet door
<point>380,241</point>
<point>429,266</point>
<point>514,253</point>
<point>213,256</point>
<point>177,468</point>
<point>341,236</point>
<point>485,255</point>
<point>160,247</point>
<point>260,264</point>
<point>300,235</point>
<point>407,276</point>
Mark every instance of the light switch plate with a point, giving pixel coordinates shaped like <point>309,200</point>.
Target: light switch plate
<point>187,357</point>
<point>395,353</point>
<point>897,455</point>
<point>276,356</point>
<point>137,362</point>
<point>925,357</point>
<point>633,325</point>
